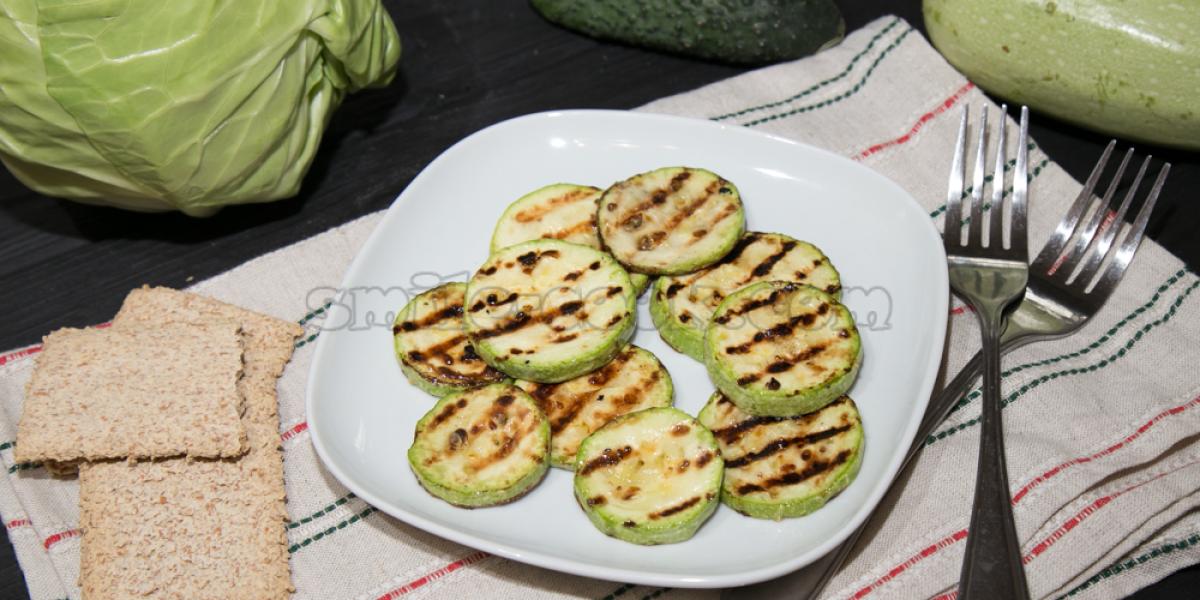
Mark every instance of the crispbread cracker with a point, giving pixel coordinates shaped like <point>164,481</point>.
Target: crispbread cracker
<point>195,529</point>
<point>102,393</point>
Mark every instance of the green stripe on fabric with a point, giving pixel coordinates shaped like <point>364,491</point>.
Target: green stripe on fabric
<point>1132,563</point>
<point>307,340</point>
<point>366,512</point>
<point>1106,336</point>
<point>7,445</point>
<point>314,314</point>
<point>324,511</point>
<point>1103,363</point>
<point>617,593</point>
<point>840,97</point>
<point>25,466</point>
<point>656,593</point>
<point>820,85</point>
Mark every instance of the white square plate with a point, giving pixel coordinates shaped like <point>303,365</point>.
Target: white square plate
<point>362,412</point>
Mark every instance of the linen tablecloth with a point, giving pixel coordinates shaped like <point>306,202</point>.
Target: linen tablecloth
<point>1103,451</point>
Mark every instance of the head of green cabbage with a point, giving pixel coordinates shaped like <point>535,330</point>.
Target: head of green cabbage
<point>156,105</point>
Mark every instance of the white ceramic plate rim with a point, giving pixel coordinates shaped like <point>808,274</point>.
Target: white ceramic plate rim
<point>939,301</point>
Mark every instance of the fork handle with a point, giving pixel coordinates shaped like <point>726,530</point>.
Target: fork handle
<point>992,566</point>
<point>944,402</point>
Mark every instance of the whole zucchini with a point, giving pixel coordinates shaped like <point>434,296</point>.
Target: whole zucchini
<point>1125,67</point>
<point>735,31</point>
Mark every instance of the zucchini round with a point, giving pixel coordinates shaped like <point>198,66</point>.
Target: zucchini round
<point>681,305</point>
<point>548,310</point>
<point>632,381</point>
<point>432,346</point>
<point>783,467</point>
<point>481,447</point>
<point>560,211</point>
<point>782,349</point>
<point>670,221</point>
<point>649,477</point>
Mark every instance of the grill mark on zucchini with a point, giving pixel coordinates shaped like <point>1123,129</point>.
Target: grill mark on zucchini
<point>811,470</point>
<point>786,364</point>
<point>774,332</point>
<point>691,208</point>
<point>454,310</point>
<point>523,319</point>
<point>754,304</point>
<point>682,506</point>
<point>780,444</point>
<point>651,241</point>
<point>764,267</point>
<point>546,207</point>
<point>447,412</point>
<point>575,229</point>
<point>607,458</point>
<point>561,420</point>
<point>733,433</point>
<point>530,259</point>
<point>438,348</point>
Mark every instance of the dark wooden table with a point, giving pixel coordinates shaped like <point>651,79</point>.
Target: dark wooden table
<point>465,65</point>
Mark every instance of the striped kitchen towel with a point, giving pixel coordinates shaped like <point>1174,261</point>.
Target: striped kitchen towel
<point>1104,459</point>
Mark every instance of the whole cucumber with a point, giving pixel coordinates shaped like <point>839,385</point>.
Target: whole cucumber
<point>735,31</point>
<point>1125,67</point>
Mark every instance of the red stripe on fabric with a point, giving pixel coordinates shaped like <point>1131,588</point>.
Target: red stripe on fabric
<point>1040,479</point>
<point>435,575</point>
<point>60,536</point>
<point>294,431</point>
<point>958,310</point>
<point>15,523</point>
<point>947,596</point>
<point>925,118</point>
<point>30,351</point>
<point>11,356</point>
<point>1091,509</point>
<point>1037,550</point>
<point>896,571</point>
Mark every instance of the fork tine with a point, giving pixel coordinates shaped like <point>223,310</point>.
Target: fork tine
<point>1064,269</point>
<point>975,227</point>
<point>996,214</point>
<point>1018,242</point>
<point>1066,227</point>
<point>1129,246</point>
<point>952,229</point>
<point>1099,247</point>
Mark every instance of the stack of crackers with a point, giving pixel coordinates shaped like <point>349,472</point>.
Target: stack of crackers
<point>171,419</point>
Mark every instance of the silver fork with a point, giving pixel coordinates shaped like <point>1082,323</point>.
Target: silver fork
<point>1051,308</point>
<point>1055,305</point>
<point>989,276</point>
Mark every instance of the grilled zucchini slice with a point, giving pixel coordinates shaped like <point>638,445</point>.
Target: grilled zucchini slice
<point>782,349</point>
<point>548,310</point>
<point>649,477</point>
<point>561,211</point>
<point>632,381</point>
<point>782,467</point>
<point>432,346</point>
<point>481,447</point>
<point>670,221</point>
<point>682,305</point>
